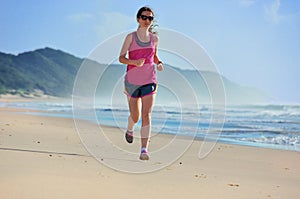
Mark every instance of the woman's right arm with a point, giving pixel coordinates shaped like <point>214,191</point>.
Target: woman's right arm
<point>123,59</point>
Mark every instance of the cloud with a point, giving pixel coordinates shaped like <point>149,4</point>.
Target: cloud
<point>112,23</point>
<point>80,17</point>
<point>247,3</point>
<point>271,12</point>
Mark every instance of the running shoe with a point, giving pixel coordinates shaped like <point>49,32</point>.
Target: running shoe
<point>129,136</point>
<point>144,155</point>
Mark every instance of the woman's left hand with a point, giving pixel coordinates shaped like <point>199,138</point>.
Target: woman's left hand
<point>160,67</point>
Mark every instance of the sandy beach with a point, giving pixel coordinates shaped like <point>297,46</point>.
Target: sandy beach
<point>43,157</point>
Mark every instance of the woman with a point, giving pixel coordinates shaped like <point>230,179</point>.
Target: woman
<point>140,80</point>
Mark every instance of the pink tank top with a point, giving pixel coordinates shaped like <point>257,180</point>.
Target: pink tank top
<point>145,74</point>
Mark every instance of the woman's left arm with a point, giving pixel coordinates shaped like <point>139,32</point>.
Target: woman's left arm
<point>158,62</point>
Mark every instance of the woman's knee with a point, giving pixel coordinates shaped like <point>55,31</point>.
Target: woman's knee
<point>134,118</point>
<point>146,116</point>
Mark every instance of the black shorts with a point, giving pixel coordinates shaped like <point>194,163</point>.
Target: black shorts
<point>137,91</point>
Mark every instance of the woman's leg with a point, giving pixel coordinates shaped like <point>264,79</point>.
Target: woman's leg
<point>147,105</point>
<point>134,109</point>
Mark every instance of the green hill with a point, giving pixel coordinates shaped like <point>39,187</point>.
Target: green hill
<point>51,71</point>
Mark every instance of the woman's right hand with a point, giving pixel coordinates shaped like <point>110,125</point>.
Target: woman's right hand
<point>140,62</point>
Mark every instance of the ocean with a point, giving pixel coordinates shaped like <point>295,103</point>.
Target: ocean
<point>267,126</point>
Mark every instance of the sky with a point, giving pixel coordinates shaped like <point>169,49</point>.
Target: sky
<point>254,43</point>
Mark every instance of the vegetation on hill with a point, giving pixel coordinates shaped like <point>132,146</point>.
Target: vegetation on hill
<point>51,71</point>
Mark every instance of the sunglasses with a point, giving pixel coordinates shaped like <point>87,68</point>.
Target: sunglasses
<point>144,17</point>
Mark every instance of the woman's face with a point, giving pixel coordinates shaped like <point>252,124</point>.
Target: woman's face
<point>146,18</point>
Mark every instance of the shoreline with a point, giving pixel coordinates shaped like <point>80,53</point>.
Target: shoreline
<point>17,98</point>
<point>43,157</point>
<point>50,99</point>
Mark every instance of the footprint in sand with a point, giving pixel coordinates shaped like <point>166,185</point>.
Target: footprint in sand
<point>224,147</point>
<point>233,185</point>
<point>200,176</point>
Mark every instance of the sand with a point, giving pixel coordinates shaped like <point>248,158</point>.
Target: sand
<point>43,157</point>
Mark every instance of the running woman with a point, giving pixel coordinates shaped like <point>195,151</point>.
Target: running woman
<point>140,79</point>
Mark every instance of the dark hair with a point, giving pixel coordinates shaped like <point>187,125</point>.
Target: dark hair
<point>142,9</point>
<point>154,25</point>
